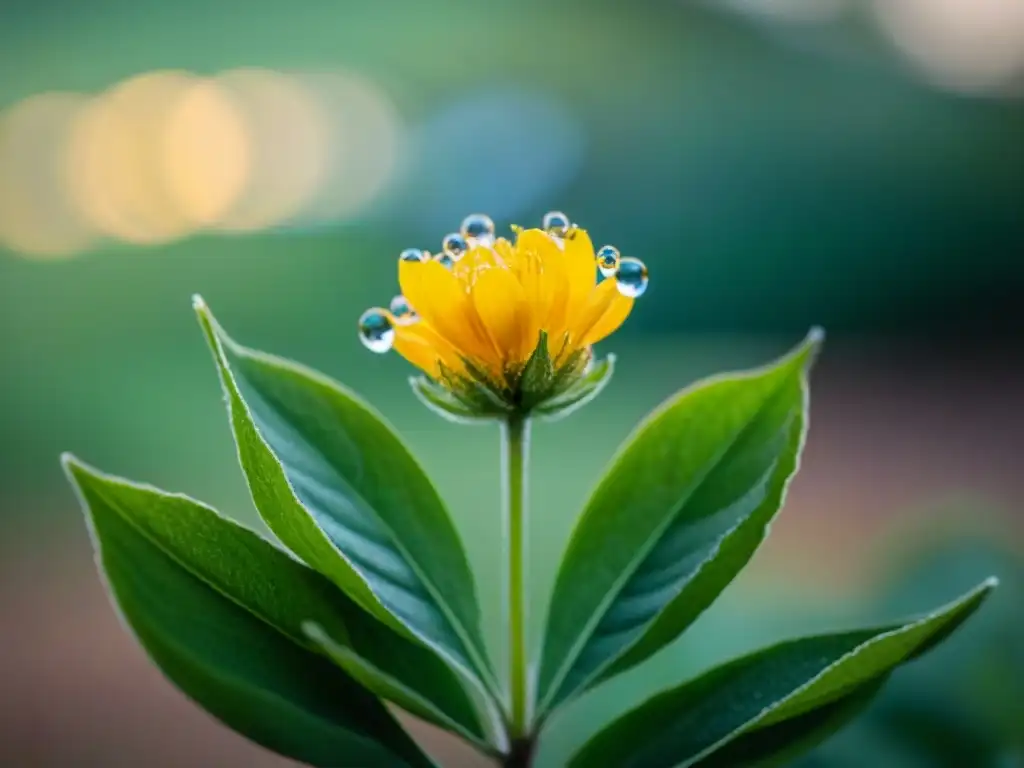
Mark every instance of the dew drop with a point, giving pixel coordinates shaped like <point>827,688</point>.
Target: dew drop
<point>556,223</point>
<point>376,331</point>
<point>608,260</point>
<point>402,309</point>
<point>631,277</point>
<point>444,260</point>
<point>477,229</point>
<point>414,255</point>
<point>454,246</point>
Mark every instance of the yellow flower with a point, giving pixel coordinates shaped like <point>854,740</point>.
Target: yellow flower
<point>478,312</point>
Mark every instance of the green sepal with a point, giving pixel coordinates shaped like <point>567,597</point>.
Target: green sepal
<point>545,386</point>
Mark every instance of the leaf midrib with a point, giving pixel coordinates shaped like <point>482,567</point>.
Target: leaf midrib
<point>643,553</point>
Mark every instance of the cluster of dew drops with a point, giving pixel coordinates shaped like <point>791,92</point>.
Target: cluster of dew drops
<point>377,325</point>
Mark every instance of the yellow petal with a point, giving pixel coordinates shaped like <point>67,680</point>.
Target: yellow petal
<point>614,316</point>
<point>581,270</point>
<point>539,257</point>
<point>501,304</point>
<point>442,301</point>
<point>422,346</point>
<point>597,304</point>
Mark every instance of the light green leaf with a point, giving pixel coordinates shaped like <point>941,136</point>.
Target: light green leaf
<point>683,507</point>
<point>769,698</point>
<point>337,486</point>
<point>228,639</point>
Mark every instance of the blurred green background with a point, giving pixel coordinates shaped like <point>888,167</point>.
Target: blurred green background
<point>777,164</point>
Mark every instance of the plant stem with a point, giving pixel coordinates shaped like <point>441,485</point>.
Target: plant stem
<point>516,434</point>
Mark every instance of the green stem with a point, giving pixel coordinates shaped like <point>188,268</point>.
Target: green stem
<point>516,433</point>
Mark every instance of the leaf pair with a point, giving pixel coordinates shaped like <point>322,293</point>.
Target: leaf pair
<point>295,654</point>
<point>682,509</point>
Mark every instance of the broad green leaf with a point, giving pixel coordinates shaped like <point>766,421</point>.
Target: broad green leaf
<point>385,684</point>
<point>245,568</point>
<point>759,703</point>
<point>779,744</point>
<point>679,513</point>
<point>233,659</point>
<point>336,485</point>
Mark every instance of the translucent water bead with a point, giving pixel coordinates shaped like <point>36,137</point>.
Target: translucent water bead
<point>631,277</point>
<point>454,246</point>
<point>556,224</point>
<point>376,330</point>
<point>608,260</point>
<point>414,255</point>
<point>477,229</point>
<point>402,309</point>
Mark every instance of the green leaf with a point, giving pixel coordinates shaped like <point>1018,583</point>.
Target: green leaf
<point>227,635</point>
<point>385,684</point>
<point>766,702</point>
<point>779,744</point>
<point>677,516</point>
<point>337,486</point>
<point>283,592</point>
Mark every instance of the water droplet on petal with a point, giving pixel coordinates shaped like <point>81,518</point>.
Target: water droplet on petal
<point>477,229</point>
<point>556,223</point>
<point>376,330</point>
<point>454,246</point>
<point>631,277</point>
<point>444,260</point>
<point>414,254</point>
<point>402,309</point>
<point>608,260</point>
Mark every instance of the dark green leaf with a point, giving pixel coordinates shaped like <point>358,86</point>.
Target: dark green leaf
<point>385,684</point>
<point>779,744</point>
<point>771,689</point>
<point>679,513</point>
<point>340,490</point>
<point>227,637</point>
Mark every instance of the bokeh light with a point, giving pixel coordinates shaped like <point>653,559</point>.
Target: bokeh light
<point>363,148</point>
<point>166,154</point>
<point>530,144</point>
<point>36,216</point>
<point>974,46</point>
<point>287,142</point>
<point>206,156</point>
<point>116,159</point>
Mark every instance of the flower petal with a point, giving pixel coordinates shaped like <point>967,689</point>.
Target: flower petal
<point>441,299</point>
<point>597,304</point>
<point>422,346</point>
<point>542,266</point>
<point>502,306</point>
<point>614,316</point>
<point>581,270</point>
